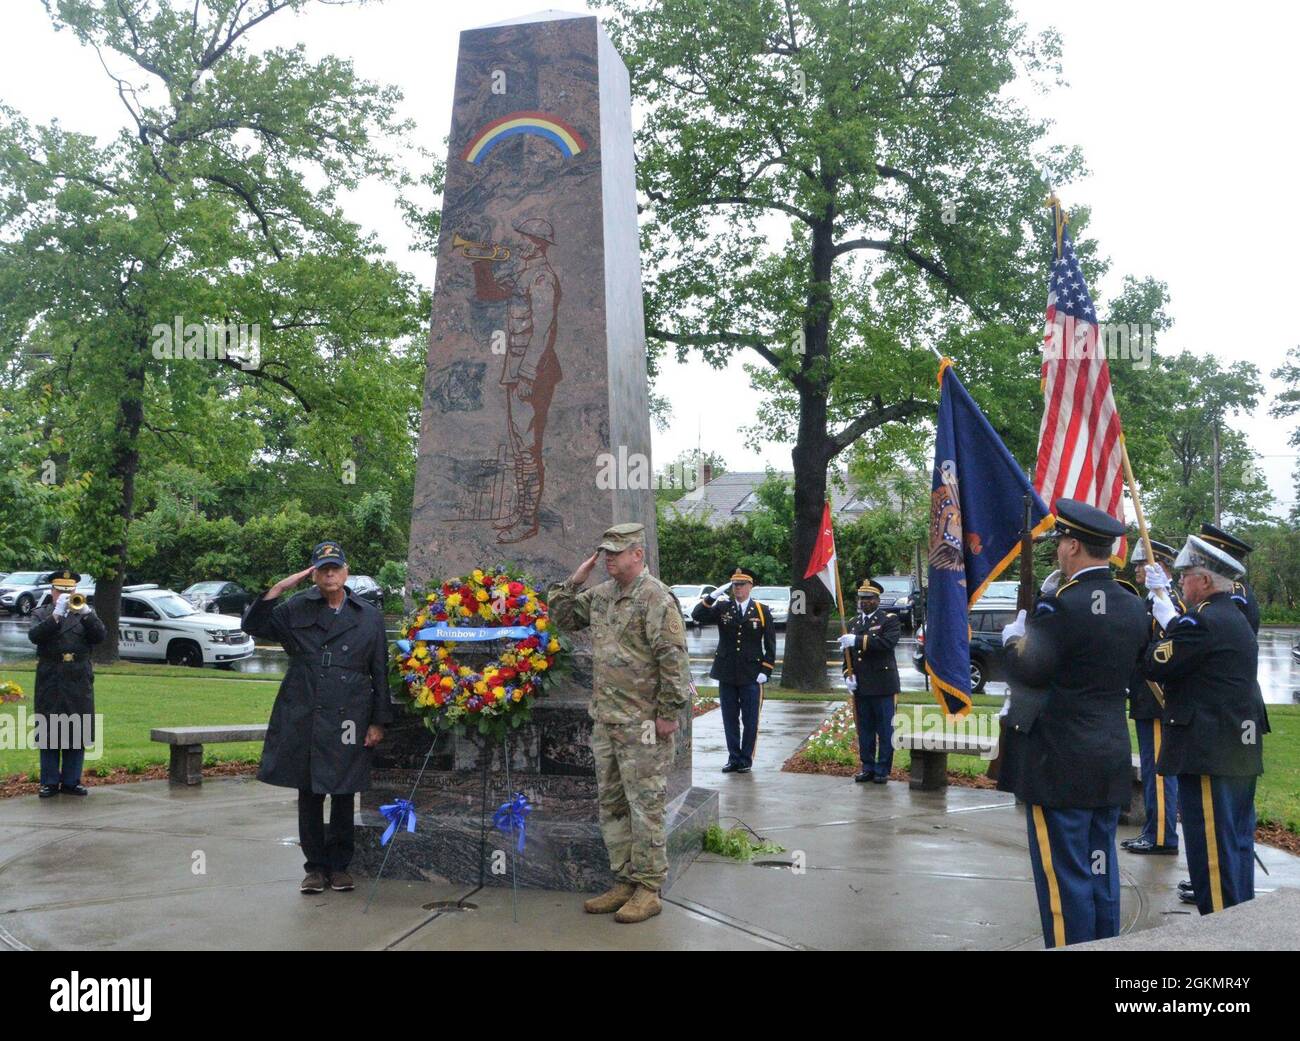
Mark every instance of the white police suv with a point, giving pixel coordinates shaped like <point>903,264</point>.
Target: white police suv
<point>159,625</point>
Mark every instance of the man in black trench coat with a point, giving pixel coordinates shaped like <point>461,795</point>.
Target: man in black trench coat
<point>331,710</point>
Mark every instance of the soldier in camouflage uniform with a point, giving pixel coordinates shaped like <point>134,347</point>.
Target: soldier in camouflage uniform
<point>641,686</point>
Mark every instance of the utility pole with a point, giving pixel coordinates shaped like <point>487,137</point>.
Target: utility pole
<point>1218,518</point>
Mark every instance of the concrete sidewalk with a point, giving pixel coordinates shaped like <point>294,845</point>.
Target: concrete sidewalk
<point>878,867</point>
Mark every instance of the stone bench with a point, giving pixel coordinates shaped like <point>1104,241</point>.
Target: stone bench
<point>930,753</point>
<point>187,746</point>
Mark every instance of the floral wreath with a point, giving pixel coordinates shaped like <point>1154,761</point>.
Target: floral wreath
<point>493,696</point>
<point>10,691</point>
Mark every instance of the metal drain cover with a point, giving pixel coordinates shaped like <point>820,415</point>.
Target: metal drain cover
<point>450,905</point>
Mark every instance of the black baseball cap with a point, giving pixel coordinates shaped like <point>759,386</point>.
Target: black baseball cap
<point>328,552</point>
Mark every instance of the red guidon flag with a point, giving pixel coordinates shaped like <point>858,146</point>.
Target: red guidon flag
<point>822,563</point>
<point>1080,455</point>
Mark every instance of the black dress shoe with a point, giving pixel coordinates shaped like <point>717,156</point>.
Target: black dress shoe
<point>743,769</point>
<point>1187,896</point>
<point>74,789</point>
<point>1185,886</point>
<point>1130,843</point>
<point>48,791</point>
<point>731,768</point>
<point>861,778</point>
<point>1146,846</point>
<point>879,780</point>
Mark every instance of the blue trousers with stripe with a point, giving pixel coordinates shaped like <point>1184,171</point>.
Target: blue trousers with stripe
<point>1219,838</point>
<point>740,703</point>
<point>876,733</point>
<point>1159,793</point>
<point>1076,876</point>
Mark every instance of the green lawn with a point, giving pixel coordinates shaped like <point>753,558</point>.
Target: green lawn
<point>135,698</point>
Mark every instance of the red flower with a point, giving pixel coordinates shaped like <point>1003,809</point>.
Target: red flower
<point>516,588</point>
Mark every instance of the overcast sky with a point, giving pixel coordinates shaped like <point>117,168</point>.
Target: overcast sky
<point>1185,113</point>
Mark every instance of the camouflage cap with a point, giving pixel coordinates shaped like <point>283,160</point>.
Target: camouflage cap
<point>621,537</point>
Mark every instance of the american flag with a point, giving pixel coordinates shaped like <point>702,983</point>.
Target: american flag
<point>1079,451</point>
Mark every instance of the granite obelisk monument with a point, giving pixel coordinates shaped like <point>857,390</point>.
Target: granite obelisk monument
<point>535,434</point>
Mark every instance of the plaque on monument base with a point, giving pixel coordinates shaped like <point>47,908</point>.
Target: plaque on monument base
<point>465,782</point>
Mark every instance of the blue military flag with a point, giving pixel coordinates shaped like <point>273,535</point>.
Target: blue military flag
<point>976,511</point>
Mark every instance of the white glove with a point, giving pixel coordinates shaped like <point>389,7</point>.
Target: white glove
<point>720,593</point>
<point>1157,579</point>
<point>761,678</point>
<point>61,607</point>
<point>851,682</point>
<point>1016,628</point>
<point>1164,610</point>
<point>847,641</point>
<point>1052,583</point>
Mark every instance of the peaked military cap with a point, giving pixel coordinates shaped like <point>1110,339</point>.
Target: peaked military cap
<point>64,579</point>
<point>870,588</point>
<point>1198,553</point>
<point>1164,552</point>
<point>1078,520</point>
<point>1232,545</point>
<point>741,575</point>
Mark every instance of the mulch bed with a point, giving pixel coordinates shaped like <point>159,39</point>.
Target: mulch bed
<point>17,784</point>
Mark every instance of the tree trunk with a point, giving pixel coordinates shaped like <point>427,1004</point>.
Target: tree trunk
<point>804,665</point>
<point>108,591</point>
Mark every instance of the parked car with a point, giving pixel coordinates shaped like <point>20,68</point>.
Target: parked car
<point>988,616</point>
<point>22,591</point>
<point>777,600</point>
<point>902,597</point>
<point>218,597</point>
<point>160,625</point>
<point>688,596</point>
<point>367,588</point>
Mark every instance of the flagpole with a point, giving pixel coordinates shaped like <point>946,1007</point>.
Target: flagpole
<point>848,661</point>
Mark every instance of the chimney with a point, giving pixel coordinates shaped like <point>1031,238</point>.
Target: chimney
<point>707,476</point>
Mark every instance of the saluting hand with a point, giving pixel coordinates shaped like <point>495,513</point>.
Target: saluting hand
<point>285,584</point>
<point>584,569</point>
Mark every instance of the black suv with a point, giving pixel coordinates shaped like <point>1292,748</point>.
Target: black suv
<point>987,619</point>
<point>901,596</point>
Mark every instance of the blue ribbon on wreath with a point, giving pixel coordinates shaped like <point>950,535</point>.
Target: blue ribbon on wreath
<point>397,813</point>
<point>512,816</point>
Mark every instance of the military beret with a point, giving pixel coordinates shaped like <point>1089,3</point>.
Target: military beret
<point>1234,546</point>
<point>1198,553</point>
<point>63,579</point>
<point>328,552</point>
<point>621,537</point>
<point>870,588</point>
<point>1078,520</point>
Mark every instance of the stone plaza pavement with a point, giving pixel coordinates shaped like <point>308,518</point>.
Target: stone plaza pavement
<point>886,868</point>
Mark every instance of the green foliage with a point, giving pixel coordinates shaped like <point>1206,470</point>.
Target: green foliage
<point>736,843</point>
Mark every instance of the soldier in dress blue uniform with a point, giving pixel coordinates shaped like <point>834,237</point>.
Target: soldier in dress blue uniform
<point>1214,721</point>
<point>65,684</point>
<point>1068,668</point>
<point>743,662</point>
<point>872,677</point>
<point>1242,595</point>
<point>1145,698</point>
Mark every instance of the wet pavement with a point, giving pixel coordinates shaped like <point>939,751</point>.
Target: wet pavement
<point>1279,673</point>
<point>865,866</point>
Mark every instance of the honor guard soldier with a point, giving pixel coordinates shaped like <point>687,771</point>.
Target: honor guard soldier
<point>331,709</point>
<point>1242,595</point>
<point>65,683</point>
<point>1214,722</point>
<point>871,674</point>
<point>1159,793</point>
<point>1068,667</point>
<point>641,688</point>
<point>743,662</point>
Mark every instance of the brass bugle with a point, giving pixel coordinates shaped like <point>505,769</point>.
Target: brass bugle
<point>76,601</point>
<point>471,250</point>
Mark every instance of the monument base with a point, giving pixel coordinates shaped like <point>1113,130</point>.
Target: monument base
<point>466,778</point>
<point>560,855</point>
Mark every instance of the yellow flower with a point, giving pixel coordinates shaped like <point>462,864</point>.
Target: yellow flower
<point>498,692</point>
<point>485,611</point>
<point>518,695</point>
<point>453,600</point>
<point>421,651</point>
<point>478,576</point>
<point>540,663</point>
<point>553,646</point>
<point>481,596</point>
<point>464,670</point>
<point>480,687</point>
<point>542,625</point>
<point>442,653</point>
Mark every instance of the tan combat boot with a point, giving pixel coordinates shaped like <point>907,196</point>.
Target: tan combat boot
<point>644,904</point>
<point>611,900</point>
